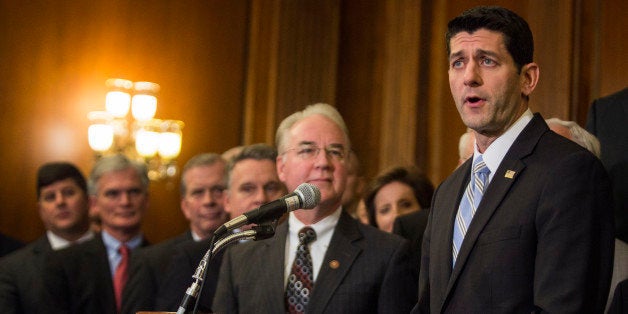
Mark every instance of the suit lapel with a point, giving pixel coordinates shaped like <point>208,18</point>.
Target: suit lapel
<point>342,253</point>
<point>445,215</point>
<point>95,277</point>
<point>40,248</point>
<point>273,291</point>
<point>505,176</point>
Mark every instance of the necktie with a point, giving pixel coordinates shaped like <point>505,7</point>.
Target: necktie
<point>301,280</point>
<point>469,204</point>
<point>121,275</point>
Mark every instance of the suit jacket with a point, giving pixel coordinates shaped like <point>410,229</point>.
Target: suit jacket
<point>608,121</point>
<point>153,262</point>
<point>21,284</point>
<point>412,226</point>
<point>8,244</point>
<point>541,239</point>
<point>78,280</point>
<point>364,270</point>
<point>619,305</point>
<point>178,277</point>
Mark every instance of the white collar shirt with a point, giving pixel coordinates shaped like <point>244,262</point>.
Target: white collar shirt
<point>57,242</point>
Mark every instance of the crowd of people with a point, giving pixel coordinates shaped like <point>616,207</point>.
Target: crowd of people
<point>532,219</point>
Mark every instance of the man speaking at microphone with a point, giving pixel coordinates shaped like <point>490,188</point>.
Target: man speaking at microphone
<point>320,260</point>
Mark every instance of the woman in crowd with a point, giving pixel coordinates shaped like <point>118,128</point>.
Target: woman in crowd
<point>397,191</point>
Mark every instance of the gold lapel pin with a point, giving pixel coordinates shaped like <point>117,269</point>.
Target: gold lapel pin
<point>334,264</point>
<point>509,174</point>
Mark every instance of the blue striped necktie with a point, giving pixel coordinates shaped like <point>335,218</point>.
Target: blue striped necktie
<point>469,204</point>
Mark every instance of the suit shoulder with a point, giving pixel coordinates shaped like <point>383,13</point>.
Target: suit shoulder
<point>375,238</point>
<point>38,246</point>
<point>619,97</point>
<point>165,247</point>
<point>553,148</point>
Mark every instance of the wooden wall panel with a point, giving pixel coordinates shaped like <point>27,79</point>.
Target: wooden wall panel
<point>233,69</point>
<point>56,57</point>
<point>612,75</point>
<point>378,81</point>
<point>308,52</point>
<point>360,78</point>
<point>292,61</point>
<point>400,83</point>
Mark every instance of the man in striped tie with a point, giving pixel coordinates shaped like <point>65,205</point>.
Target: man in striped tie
<point>525,225</point>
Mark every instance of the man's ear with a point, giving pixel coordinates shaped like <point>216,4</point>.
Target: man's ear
<point>280,168</point>
<point>227,202</point>
<point>93,208</point>
<point>184,210</point>
<point>529,78</point>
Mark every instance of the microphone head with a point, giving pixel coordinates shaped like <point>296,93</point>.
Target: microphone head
<point>309,194</point>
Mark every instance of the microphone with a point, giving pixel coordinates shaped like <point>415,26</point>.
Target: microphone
<point>305,196</point>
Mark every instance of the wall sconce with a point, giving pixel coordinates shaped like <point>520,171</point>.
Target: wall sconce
<point>139,136</point>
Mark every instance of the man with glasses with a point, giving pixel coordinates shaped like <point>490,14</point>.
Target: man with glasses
<point>92,277</point>
<point>321,259</point>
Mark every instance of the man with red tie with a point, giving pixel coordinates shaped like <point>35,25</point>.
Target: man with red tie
<point>92,277</point>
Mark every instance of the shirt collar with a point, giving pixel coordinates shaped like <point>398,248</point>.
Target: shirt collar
<point>495,153</point>
<point>195,236</point>
<point>57,242</point>
<point>323,227</point>
<point>113,244</point>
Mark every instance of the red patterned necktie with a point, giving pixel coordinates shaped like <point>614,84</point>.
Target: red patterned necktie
<point>121,275</point>
<point>301,279</point>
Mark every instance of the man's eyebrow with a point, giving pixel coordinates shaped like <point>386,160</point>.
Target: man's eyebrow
<point>482,52</point>
<point>337,145</point>
<point>479,52</point>
<point>456,55</point>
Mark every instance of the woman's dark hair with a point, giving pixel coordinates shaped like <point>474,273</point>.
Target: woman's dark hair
<point>421,186</point>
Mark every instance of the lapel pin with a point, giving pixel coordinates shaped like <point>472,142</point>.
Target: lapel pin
<point>509,174</point>
<point>334,264</point>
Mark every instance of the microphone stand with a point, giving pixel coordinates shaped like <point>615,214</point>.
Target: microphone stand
<point>192,293</point>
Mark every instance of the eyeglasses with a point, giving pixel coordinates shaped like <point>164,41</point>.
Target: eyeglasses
<point>311,152</point>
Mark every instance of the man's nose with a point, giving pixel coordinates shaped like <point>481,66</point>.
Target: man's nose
<point>472,75</point>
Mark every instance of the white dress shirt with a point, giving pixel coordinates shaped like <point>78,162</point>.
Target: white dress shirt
<point>324,231</point>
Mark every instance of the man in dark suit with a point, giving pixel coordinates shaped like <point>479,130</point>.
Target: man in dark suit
<point>252,181</point>
<point>607,120</point>
<point>203,181</point>
<point>63,207</point>
<point>352,268</point>
<point>412,226</point>
<point>541,236</point>
<point>83,278</point>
